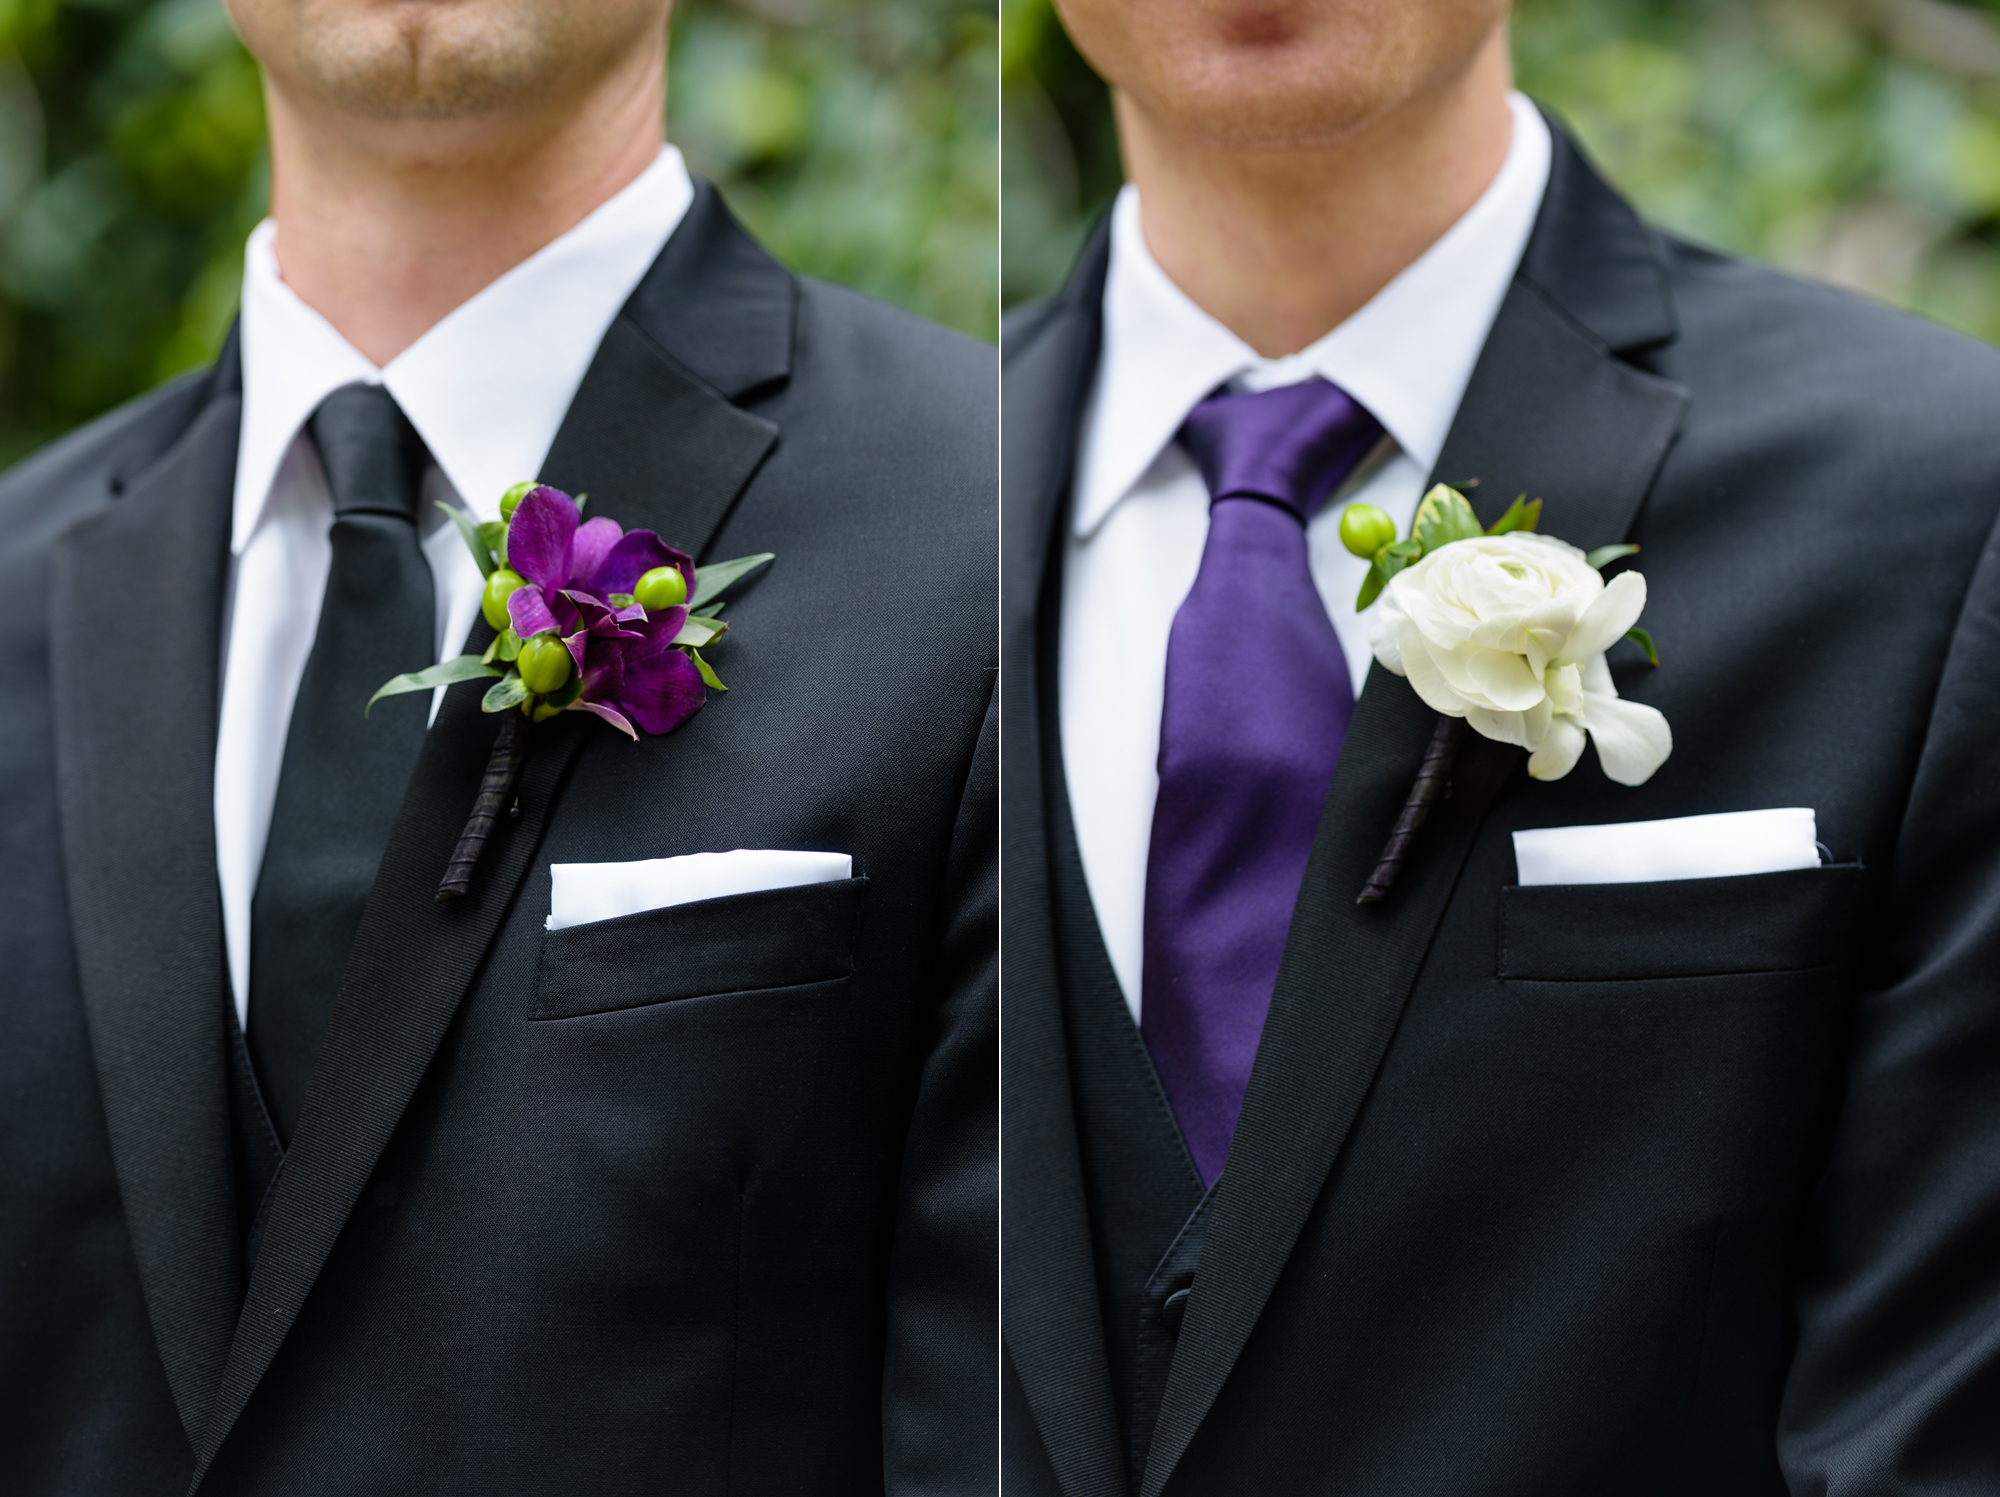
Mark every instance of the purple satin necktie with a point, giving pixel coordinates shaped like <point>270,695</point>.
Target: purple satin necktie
<point>1257,701</point>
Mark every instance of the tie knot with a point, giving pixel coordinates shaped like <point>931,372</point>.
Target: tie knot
<point>1291,446</point>
<point>373,457</point>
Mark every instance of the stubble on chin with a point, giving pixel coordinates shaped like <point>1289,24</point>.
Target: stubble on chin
<point>425,59</point>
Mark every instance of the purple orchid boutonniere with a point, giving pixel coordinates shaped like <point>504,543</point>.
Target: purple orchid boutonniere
<point>590,618</point>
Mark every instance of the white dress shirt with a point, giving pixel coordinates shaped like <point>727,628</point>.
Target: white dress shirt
<point>486,388</point>
<point>1140,509</point>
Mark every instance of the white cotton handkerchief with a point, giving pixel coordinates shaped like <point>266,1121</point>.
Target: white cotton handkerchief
<point>583,892</point>
<point>1632,852</point>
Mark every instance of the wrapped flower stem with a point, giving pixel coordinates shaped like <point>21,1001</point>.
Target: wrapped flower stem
<point>1432,777</point>
<point>503,770</point>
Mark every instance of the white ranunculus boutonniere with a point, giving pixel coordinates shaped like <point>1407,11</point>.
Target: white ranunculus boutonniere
<point>1503,631</point>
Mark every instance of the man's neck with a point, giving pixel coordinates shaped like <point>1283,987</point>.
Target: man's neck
<point>383,227</point>
<point>1281,247</point>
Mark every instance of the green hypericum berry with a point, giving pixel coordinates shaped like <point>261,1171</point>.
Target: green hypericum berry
<point>545,664</point>
<point>663,587</point>
<point>1364,530</point>
<point>510,500</point>
<point>499,587</point>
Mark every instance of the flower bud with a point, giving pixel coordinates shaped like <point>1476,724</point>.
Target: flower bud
<point>511,500</point>
<point>545,664</point>
<point>663,587</point>
<point>1364,530</point>
<point>499,587</point>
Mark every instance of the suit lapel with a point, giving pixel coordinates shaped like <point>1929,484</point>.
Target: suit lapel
<point>1552,411</point>
<point>1054,1328</point>
<point>654,437</point>
<point>135,763</point>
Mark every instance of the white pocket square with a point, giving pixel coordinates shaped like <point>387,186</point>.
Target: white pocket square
<point>584,892</point>
<point>1631,852</point>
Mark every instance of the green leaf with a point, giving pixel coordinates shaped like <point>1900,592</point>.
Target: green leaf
<point>1444,517</point>
<point>470,533</point>
<point>509,691</point>
<point>494,533</point>
<point>700,633</point>
<point>444,673</point>
<point>711,580</point>
<point>581,500</point>
<point>1604,555</point>
<point>1390,560</point>
<point>1523,514</point>
<point>1644,641</point>
<point>506,646</point>
<point>708,675</point>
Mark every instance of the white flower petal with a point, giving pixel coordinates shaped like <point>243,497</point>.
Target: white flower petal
<point>1633,740</point>
<point>1420,665</point>
<point>1504,681</point>
<point>1559,751</point>
<point>1501,727</point>
<point>1604,623</point>
<point>1597,678</point>
<point>1382,640</point>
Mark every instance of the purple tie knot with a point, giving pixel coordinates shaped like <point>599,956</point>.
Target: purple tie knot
<point>1291,445</point>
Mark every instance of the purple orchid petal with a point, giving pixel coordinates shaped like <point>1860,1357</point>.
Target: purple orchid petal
<point>658,632</point>
<point>594,538</point>
<point>528,608</point>
<point>634,556</point>
<point>609,713</point>
<point>540,537</point>
<point>601,665</point>
<point>633,615</point>
<point>662,691</point>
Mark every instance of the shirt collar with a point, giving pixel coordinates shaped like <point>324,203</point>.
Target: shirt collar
<point>1407,355</point>
<point>488,386</point>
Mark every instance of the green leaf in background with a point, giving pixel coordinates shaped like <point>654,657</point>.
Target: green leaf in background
<point>1644,641</point>
<point>473,536</point>
<point>494,534</point>
<point>444,673</point>
<point>1523,514</point>
<point>1443,517</point>
<point>1603,556</point>
<point>718,576</point>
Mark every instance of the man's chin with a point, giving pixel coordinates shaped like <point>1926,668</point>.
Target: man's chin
<point>1258,120</point>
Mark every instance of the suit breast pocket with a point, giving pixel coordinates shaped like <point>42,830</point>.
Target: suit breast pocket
<point>739,944</point>
<point>1792,921</point>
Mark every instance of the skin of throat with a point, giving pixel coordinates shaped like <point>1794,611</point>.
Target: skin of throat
<point>1281,244</point>
<point>387,221</point>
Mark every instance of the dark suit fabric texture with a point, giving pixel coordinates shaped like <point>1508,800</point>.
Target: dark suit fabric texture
<point>1679,1188</point>
<point>700,1200</point>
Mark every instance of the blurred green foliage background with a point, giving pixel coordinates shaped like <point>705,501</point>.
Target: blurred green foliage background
<point>1857,141</point>
<point>856,136</point>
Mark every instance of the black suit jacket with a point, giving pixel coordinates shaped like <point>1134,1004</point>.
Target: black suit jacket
<point>1688,1187</point>
<point>695,1200</point>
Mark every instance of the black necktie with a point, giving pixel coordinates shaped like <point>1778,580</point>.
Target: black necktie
<point>343,775</point>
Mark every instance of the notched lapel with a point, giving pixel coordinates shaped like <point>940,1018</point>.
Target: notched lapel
<point>1550,412</point>
<point>657,447</point>
<point>135,768</point>
<point>653,445</point>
